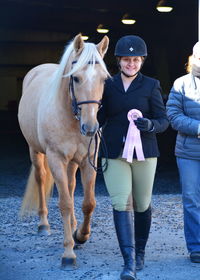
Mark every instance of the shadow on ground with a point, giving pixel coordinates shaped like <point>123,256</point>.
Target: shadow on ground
<point>15,165</point>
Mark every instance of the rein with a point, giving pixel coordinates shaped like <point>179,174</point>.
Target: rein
<point>98,137</point>
<point>75,105</point>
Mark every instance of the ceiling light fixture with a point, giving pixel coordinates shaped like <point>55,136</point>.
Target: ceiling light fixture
<point>164,6</point>
<point>102,29</point>
<point>84,37</point>
<point>128,19</point>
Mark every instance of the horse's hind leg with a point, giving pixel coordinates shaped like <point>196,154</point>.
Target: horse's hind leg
<point>88,176</point>
<point>38,161</point>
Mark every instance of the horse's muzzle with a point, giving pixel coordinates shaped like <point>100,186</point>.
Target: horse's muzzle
<point>88,130</point>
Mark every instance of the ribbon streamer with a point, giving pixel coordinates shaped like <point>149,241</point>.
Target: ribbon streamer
<point>133,140</point>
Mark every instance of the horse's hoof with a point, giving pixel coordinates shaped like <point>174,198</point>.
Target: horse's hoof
<point>68,263</point>
<point>77,242</point>
<point>44,230</point>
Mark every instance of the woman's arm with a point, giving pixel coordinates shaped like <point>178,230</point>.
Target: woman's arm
<point>176,115</point>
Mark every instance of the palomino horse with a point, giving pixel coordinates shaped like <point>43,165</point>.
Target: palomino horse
<point>58,137</point>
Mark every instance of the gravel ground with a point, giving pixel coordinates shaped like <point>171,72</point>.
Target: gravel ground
<point>26,256</point>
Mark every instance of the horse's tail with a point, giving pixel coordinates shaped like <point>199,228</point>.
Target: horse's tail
<point>30,202</point>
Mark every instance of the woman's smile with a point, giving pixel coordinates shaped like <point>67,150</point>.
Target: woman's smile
<point>130,64</point>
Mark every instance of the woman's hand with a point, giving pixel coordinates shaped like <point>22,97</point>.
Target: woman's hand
<point>144,124</point>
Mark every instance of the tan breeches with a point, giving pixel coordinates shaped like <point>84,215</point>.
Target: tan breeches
<point>130,184</point>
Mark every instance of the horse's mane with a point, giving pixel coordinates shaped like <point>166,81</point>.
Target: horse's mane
<point>89,56</point>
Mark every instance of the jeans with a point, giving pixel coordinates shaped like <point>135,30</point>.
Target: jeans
<point>189,171</point>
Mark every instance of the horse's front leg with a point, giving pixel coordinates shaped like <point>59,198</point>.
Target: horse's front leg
<point>58,169</point>
<point>88,176</point>
<point>71,172</point>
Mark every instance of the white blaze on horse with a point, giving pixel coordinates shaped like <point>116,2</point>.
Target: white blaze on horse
<point>58,116</point>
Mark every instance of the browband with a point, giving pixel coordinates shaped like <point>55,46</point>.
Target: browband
<point>89,62</point>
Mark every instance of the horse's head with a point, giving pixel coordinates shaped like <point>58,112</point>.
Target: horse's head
<point>87,77</point>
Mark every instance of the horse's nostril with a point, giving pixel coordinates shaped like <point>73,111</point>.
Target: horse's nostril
<point>83,129</point>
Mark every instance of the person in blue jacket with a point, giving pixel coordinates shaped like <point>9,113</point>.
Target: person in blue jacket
<point>183,110</point>
<point>130,184</point>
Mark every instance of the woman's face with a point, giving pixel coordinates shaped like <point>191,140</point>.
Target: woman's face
<point>130,65</point>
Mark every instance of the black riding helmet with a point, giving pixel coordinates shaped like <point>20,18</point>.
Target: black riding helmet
<point>131,45</point>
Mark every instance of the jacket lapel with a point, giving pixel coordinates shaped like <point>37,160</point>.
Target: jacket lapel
<point>136,83</point>
<point>117,82</point>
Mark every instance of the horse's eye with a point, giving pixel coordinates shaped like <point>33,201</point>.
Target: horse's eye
<point>76,79</point>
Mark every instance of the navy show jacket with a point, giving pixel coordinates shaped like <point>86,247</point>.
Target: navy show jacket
<point>144,94</point>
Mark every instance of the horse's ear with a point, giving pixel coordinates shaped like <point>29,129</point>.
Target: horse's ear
<point>103,46</point>
<point>78,43</point>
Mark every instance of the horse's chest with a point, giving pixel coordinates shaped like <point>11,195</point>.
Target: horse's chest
<point>80,153</point>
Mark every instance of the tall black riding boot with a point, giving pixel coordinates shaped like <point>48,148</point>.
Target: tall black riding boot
<point>125,233</point>
<point>142,223</point>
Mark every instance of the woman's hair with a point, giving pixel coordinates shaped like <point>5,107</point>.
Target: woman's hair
<point>188,65</point>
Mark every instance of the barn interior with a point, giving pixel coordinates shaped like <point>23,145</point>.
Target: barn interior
<point>33,32</point>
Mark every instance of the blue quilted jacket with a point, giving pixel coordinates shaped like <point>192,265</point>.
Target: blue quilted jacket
<point>183,111</point>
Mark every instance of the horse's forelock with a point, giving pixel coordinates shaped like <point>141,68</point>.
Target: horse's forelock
<point>88,57</point>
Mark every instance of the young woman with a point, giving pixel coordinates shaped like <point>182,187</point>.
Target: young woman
<point>130,183</point>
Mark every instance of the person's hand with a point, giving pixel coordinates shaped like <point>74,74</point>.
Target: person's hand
<point>144,124</point>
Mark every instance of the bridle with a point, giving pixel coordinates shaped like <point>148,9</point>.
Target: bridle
<point>76,109</point>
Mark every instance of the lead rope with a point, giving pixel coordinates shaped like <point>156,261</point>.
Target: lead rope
<point>98,136</point>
